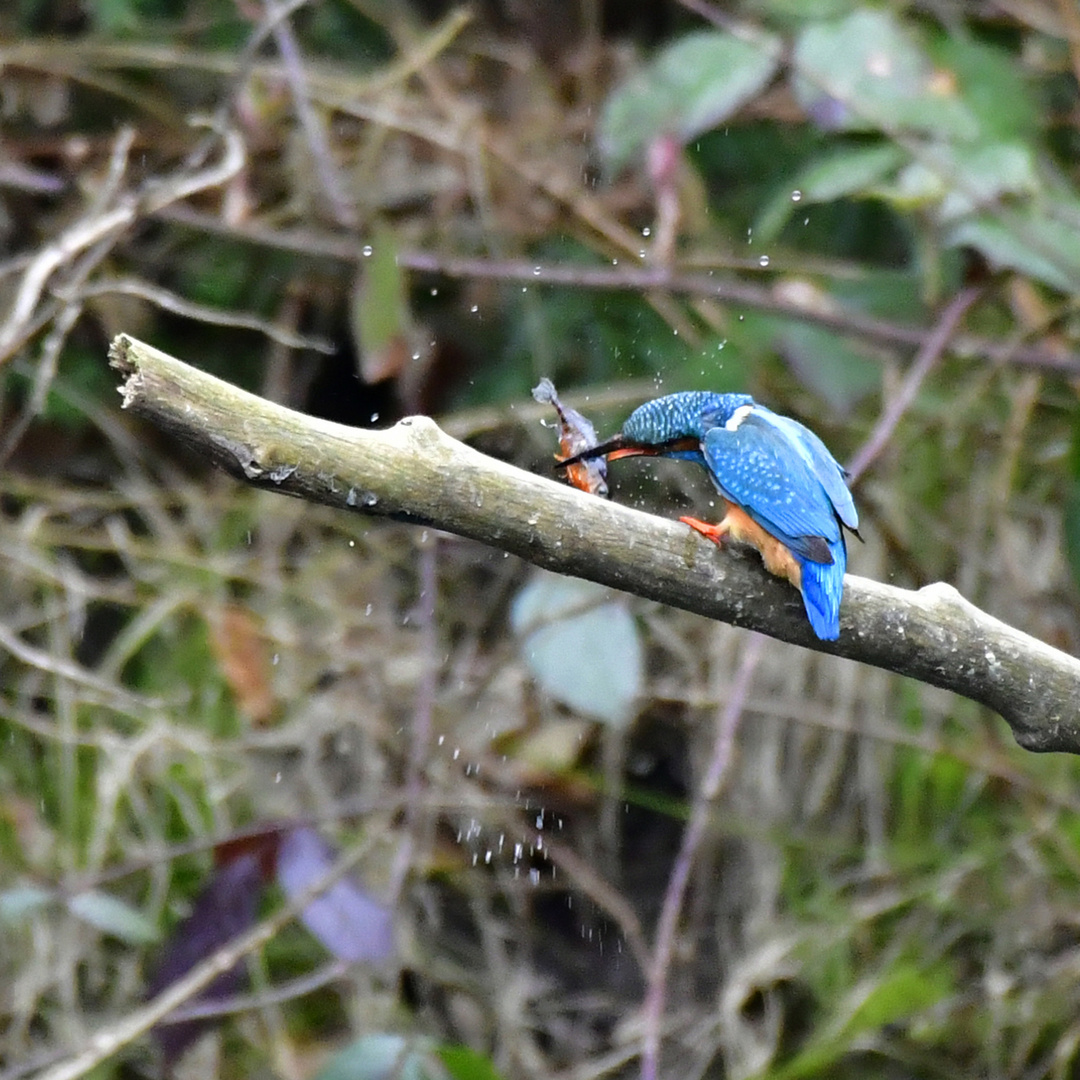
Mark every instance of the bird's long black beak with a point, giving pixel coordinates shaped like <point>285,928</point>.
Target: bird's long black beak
<point>613,449</point>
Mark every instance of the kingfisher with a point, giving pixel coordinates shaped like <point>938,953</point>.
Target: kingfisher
<point>783,492</point>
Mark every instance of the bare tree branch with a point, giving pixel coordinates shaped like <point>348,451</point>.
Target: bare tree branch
<point>667,925</point>
<point>413,472</point>
<point>729,290</point>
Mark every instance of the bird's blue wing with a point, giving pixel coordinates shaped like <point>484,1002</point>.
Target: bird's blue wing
<point>761,467</point>
<point>823,465</point>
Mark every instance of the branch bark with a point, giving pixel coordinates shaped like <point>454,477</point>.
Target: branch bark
<point>414,472</point>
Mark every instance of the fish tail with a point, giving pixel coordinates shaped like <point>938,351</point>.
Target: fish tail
<point>822,588</point>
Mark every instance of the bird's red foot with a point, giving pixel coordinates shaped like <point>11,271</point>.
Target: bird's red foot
<point>716,533</point>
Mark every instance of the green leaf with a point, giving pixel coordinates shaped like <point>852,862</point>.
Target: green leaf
<point>805,10</point>
<point>18,903</point>
<point>112,916</point>
<point>465,1064</point>
<point>690,87</point>
<point>1037,243</point>
<point>851,171</point>
<point>385,1056</point>
<point>829,365</point>
<point>1071,525</point>
<point>888,294</point>
<point>380,315</point>
<point>991,83</point>
<point>898,994</point>
<point>989,172</point>
<point>964,179</point>
<point>581,645</point>
<point>869,72</point>
<point>906,990</point>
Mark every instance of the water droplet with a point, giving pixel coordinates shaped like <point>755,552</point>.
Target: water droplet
<point>475,308</point>
<point>796,195</point>
<point>369,609</point>
<point>434,290</point>
<point>374,417</point>
<point>536,271</point>
<point>763,261</point>
<point>532,519</point>
<point>646,231</point>
<point>366,251</point>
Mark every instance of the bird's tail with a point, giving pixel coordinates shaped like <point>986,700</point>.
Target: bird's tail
<point>822,587</point>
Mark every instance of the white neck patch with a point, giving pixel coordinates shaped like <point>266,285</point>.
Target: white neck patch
<point>737,417</point>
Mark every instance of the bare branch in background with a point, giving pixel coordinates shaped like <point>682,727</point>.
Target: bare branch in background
<point>727,724</point>
<point>330,177</point>
<point>100,228</point>
<point>929,355</point>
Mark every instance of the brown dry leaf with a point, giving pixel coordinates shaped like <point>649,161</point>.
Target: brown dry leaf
<point>240,649</point>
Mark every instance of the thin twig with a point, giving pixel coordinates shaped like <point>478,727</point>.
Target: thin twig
<point>44,373</point>
<point>112,1038</point>
<point>106,225</point>
<point>667,925</point>
<point>170,301</point>
<point>213,1008</point>
<point>423,711</point>
<point>329,176</point>
<point>630,278</point>
<point>67,669</point>
<point>735,292</point>
<point>70,295</point>
<point>424,706</point>
<point>928,356</point>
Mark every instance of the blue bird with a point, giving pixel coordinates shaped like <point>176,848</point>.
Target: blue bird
<point>784,493</point>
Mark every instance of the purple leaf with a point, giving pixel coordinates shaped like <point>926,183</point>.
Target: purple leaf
<point>351,924</point>
<point>222,911</point>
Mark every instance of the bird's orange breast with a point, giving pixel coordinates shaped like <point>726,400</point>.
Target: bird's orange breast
<point>774,553</point>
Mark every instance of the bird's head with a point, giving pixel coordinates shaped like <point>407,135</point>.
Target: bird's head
<point>669,426</point>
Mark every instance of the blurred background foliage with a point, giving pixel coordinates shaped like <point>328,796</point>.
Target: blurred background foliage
<point>363,208</point>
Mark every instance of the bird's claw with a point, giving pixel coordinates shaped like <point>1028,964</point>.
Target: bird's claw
<point>716,533</point>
